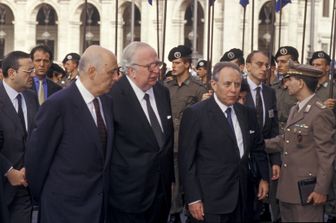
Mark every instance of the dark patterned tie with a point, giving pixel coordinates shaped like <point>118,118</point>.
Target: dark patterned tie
<point>154,122</point>
<point>259,108</point>
<point>100,124</point>
<point>20,114</point>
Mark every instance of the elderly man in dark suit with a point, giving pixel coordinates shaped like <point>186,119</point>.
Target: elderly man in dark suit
<point>308,148</point>
<point>18,106</point>
<point>217,136</point>
<point>68,156</point>
<point>142,159</point>
<point>42,58</point>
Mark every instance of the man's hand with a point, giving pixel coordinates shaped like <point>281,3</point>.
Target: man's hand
<point>317,198</point>
<point>330,103</point>
<point>17,177</point>
<point>207,95</point>
<point>275,172</point>
<point>262,190</point>
<point>196,210</point>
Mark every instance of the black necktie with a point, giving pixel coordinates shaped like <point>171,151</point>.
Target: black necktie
<point>20,113</point>
<point>154,122</point>
<point>259,108</point>
<point>100,124</point>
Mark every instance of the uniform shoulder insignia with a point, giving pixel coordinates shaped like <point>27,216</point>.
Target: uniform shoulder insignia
<point>320,105</point>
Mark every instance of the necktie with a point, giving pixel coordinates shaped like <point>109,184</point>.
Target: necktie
<point>229,118</point>
<point>100,124</point>
<point>20,114</point>
<point>259,108</point>
<point>41,93</point>
<point>154,122</point>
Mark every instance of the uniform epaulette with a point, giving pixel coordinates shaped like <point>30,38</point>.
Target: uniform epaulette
<point>320,105</point>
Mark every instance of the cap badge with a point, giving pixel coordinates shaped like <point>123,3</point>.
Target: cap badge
<point>69,57</point>
<point>283,51</point>
<point>177,54</point>
<point>231,55</point>
<point>320,55</point>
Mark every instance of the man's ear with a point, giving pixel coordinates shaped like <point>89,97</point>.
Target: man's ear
<point>11,73</point>
<point>92,71</point>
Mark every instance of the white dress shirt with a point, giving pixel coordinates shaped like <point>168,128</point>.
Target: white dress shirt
<point>88,98</point>
<point>253,90</point>
<point>237,129</point>
<point>140,95</point>
<point>12,94</point>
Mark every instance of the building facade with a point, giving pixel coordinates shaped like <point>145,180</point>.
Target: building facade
<point>59,23</point>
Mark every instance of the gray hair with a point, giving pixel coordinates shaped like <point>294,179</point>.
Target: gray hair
<point>221,65</point>
<point>127,58</point>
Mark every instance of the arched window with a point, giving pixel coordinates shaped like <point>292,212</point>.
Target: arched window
<point>92,32</point>
<point>265,27</point>
<point>46,28</point>
<point>127,23</point>
<point>188,27</point>
<point>6,30</point>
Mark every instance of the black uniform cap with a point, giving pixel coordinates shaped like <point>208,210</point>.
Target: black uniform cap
<point>288,50</point>
<point>179,52</point>
<point>232,54</point>
<point>71,56</point>
<point>318,55</point>
<point>202,63</point>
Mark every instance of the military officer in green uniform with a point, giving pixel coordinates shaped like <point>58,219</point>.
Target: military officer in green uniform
<point>185,90</point>
<point>321,60</point>
<point>202,70</point>
<point>308,149</point>
<point>284,100</point>
<point>70,63</point>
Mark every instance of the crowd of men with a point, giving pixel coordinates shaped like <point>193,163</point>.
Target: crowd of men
<point>102,141</point>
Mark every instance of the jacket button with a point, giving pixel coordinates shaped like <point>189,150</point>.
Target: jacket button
<point>288,130</point>
<point>286,153</point>
<point>287,141</point>
<point>285,165</point>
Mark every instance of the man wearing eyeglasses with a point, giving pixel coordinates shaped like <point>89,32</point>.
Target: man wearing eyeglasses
<point>18,106</point>
<point>185,91</point>
<point>68,156</point>
<point>262,98</point>
<point>142,160</point>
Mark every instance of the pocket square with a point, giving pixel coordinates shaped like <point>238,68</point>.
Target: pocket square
<point>252,131</point>
<point>169,117</point>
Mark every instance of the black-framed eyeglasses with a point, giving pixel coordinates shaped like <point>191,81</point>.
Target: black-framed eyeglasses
<point>151,66</point>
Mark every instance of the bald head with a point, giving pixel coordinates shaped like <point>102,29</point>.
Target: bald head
<point>98,69</point>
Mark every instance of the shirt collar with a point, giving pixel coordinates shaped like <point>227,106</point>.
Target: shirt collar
<point>138,92</point>
<point>304,101</point>
<point>252,85</point>
<point>37,80</point>
<point>12,93</point>
<point>222,106</point>
<point>87,96</point>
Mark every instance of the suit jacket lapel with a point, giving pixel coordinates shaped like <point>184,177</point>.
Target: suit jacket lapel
<point>219,117</point>
<point>8,108</point>
<point>83,113</point>
<point>129,95</point>
<point>295,117</point>
<point>109,127</point>
<point>161,105</point>
<point>243,126</point>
